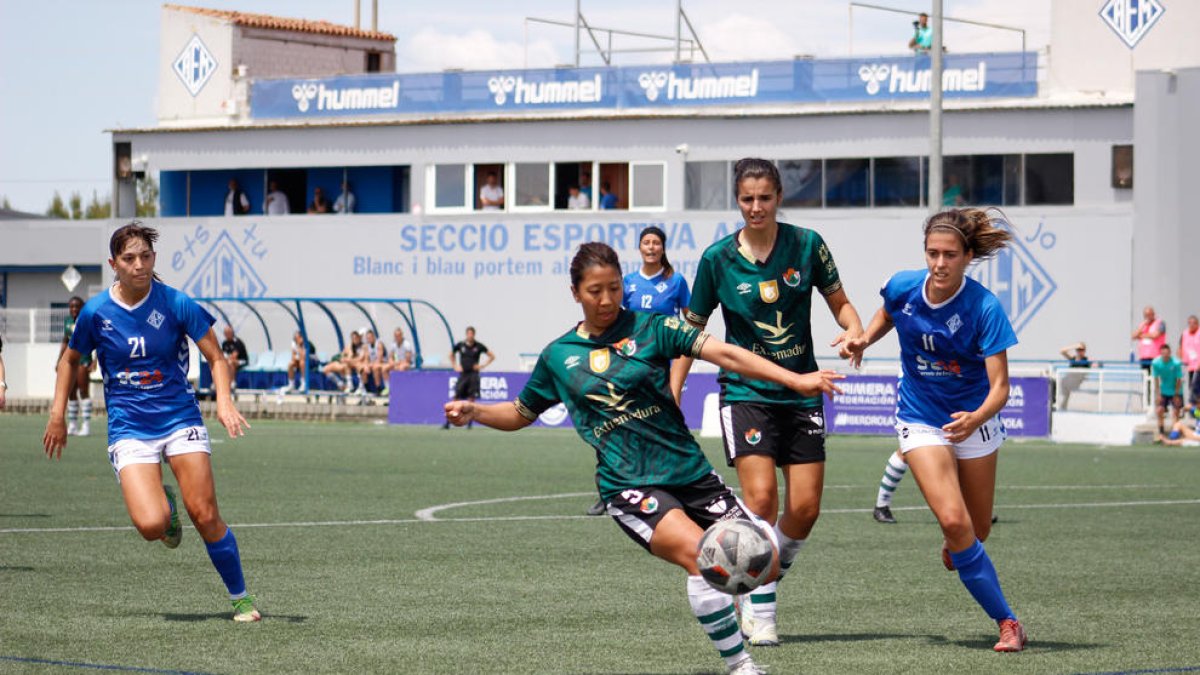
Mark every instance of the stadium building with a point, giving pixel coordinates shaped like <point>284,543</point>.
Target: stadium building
<point>1085,145</point>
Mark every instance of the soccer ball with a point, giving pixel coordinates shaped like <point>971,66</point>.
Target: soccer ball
<point>736,556</point>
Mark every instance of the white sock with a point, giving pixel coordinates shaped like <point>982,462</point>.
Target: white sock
<point>714,610</point>
<point>892,474</point>
<point>72,411</point>
<point>762,602</point>
<point>788,548</point>
<point>86,407</point>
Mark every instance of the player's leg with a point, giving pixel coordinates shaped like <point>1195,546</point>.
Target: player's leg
<point>190,461</point>
<point>145,499</point>
<point>1161,410</point>
<point>83,386</point>
<point>893,473</point>
<point>977,479</point>
<point>1176,408</point>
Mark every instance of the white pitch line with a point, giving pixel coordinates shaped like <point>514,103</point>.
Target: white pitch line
<point>430,519</point>
<point>428,514</point>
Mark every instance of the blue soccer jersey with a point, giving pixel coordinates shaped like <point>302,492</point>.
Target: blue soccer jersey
<point>143,355</point>
<point>656,294</point>
<point>943,347</point>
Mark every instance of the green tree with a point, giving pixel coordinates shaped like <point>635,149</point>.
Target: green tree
<point>76,203</point>
<point>147,197</point>
<point>5,203</point>
<point>57,209</point>
<point>97,208</point>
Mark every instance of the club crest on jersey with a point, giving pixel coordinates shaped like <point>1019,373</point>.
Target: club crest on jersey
<point>954,323</point>
<point>155,319</point>
<point>571,361</point>
<point>598,360</point>
<point>744,288</point>
<point>660,286</point>
<point>768,291</point>
<point>791,277</point>
<point>649,505</point>
<point>753,436</point>
<point>627,347</point>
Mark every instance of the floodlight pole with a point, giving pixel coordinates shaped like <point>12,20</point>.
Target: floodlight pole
<point>678,29</point>
<point>935,112</point>
<point>578,17</point>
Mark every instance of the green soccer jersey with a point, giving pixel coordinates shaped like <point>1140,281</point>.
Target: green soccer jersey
<point>767,306</point>
<point>615,387</point>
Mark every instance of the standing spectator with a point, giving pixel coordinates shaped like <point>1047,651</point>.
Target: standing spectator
<point>79,395</point>
<point>319,203</point>
<point>236,201</point>
<point>345,202</point>
<point>1167,373</point>
<point>276,203</point>
<point>608,200</point>
<point>922,39</point>
<point>1077,358</point>
<point>235,355</point>
<point>303,356</point>
<point>468,366</point>
<point>585,185</point>
<point>1189,351</point>
<point>3,384</point>
<point>576,200</point>
<point>491,195</point>
<point>1151,335</point>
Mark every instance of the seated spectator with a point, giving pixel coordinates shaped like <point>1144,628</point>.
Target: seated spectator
<point>1076,356</point>
<point>491,195</point>
<point>345,202</point>
<point>235,354</point>
<point>345,364</point>
<point>608,200</point>
<point>303,356</point>
<point>402,353</point>
<point>319,203</point>
<point>576,200</point>
<point>371,377</point>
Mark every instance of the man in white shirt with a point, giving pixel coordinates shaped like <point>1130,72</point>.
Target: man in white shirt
<point>276,203</point>
<point>345,202</point>
<point>236,201</point>
<point>491,195</point>
<point>577,200</point>
<point>401,352</point>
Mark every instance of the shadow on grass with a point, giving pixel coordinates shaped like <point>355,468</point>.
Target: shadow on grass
<point>854,637</point>
<point>987,642</point>
<point>224,616</point>
<point>16,568</point>
<point>24,515</point>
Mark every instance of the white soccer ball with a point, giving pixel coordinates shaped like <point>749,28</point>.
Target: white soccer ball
<point>736,556</point>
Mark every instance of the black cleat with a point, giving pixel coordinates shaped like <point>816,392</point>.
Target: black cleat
<point>995,519</point>
<point>883,514</point>
<point>597,509</point>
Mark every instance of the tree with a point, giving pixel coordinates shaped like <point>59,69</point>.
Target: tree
<point>147,197</point>
<point>57,209</point>
<point>5,204</point>
<point>97,208</point>
<point>76,203</point>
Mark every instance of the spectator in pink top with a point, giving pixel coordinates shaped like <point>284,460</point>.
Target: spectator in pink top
<point>1189,351</point>
<point>1151,335</point>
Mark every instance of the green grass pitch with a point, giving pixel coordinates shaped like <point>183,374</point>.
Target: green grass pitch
<point>377,549</point>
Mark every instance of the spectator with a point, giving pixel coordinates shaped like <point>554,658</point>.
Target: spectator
<point>320,204</point>
<point>922,39</point>
<point>374,364</point>
<point>276,203</point>
<point>235,355</point>
<point>1167,373</point>
<point>576,200</point>
<point>585,185</point>
<point>236,201</point>
<point>1189,351</point>
<point>303,356</point>
<point>468,366</point>
<point>402,353</point>
<point>346,363</point>
<point>345,203</point>
<point>3,384</point>
<point>1151,335</point>
<point>1076,356</point>
<point>608,200</point>
<point>953,195</point>
<point>79,395</point>
<point>491,195</point>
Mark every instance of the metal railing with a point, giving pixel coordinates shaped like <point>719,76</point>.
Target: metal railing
<point>34,325</point>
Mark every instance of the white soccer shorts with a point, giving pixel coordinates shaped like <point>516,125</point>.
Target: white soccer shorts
<point>151,450</point>
<point>986,439</point>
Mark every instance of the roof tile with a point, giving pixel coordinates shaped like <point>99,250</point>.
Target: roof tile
<point>284,23</point>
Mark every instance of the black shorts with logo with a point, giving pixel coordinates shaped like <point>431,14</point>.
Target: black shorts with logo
<point>789,434</point>
<point>467,386</point>
<point>706,501</point>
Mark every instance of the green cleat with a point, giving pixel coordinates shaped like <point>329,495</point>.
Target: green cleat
<point>174,531</point>
<point>243,610</point>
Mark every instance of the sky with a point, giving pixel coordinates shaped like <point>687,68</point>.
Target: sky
<point>70,70</point>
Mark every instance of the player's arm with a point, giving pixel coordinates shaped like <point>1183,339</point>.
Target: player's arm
<point>965,423</point>
<point>490,357</point>
<point>847,317</point>
<point>681,366</point>
<point>227,412</point>
<point>744,362</point>
<point>881,324</point>
<point>502,416</point>
<point>55,438</point>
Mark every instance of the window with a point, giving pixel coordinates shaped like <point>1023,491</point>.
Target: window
<point>801,182</point>
<point>614,181</point>
<point>373,62</point>
<point>847,182</point>
<point>532,182</point>
<point>649,181</point>
<point>1122,166</point>
<point>897,181</point>
<point>1050,178</point>
<point>449,186</point>
<point>708,186</point>
<point>489,192</point>
<point>570,176</point>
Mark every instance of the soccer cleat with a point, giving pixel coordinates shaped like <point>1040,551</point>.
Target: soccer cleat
<point>1012,636</point>
<point>84,429</point>
<point>746,666</point>
<point>597,509</point>
<point>243,610</point>
<point>995,519</point>
<point>946,559</point>
<point>71,431</point>
<point>174,531</point>
<point>763,633</point>
<point>883,514</point>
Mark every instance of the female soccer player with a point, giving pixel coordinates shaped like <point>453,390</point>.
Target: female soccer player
<point>611,371</point>
<point>79,400</point>
<point>139,328</point>
<point>954,339</point>
<point>763,276</point>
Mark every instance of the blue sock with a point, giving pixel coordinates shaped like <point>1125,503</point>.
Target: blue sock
<point>976,572</point>
<point>225,557</point>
